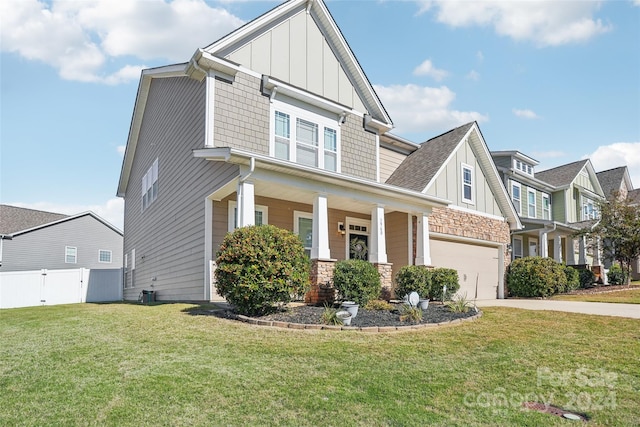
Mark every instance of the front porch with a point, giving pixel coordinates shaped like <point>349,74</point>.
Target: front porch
<point>329,218</point>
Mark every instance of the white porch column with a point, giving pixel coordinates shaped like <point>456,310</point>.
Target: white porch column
<point>423,249</point>
<point>557,248</point>
<point>320,230</point>
<point>582,251</point>
<point>597,260</point>
<point>571,253</point>
<point>378,249</point>
<point>246,204</point>
<point>544,244</point>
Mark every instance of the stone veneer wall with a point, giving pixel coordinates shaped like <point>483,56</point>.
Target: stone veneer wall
<point>465,224</point>
<point>386,276</point>
<point>321,277</point>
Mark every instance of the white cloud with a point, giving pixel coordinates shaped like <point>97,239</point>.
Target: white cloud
<point>525,114</point>
<point>416,108</point>
<point>546,23</point>
<point>81,39</point>
<point>618,154</point>
<point>111,211</point>
<point>427,69</point>
<point>473,75</point>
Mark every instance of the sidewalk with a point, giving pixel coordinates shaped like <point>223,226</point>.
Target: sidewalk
<point>599,308</point>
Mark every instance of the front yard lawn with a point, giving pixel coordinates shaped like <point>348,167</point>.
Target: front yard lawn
<point>133,365</point>
<point>628,296</point>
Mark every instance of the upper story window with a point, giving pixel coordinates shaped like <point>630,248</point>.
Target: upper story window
<point>531,199</point>
<point>516,197</point>
<point>70,254</point>
<point>546,206</point>
<point>305,137</point>
<point>150,186</point>
<point>467,183</point>
<point>522,167</point>
<point>589,210</point>
<point>104,256</point>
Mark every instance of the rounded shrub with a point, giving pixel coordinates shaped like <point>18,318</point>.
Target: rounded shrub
<point>356,280</point>
<point>441,277</point>
<point>616,276</point>
<point>573,279</point>
<point>535,277</point>
<point>261,266</point>
<point>413,278</point>
<point>587,278</point>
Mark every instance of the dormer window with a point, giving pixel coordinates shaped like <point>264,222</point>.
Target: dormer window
<point>306,137</point>
<point>523,167</point>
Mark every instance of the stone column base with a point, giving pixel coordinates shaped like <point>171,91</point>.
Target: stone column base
<point>322,290</point>
<point>386,278</point>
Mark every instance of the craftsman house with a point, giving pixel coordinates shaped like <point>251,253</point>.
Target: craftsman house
<point>276,123</point>
<point>552,205</point>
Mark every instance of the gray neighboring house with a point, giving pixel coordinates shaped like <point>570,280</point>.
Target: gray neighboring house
<point>34,240</point>
<point>617,182</point>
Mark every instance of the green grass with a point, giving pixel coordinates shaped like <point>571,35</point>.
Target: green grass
<point>159,365</point>
<point>627,296</point>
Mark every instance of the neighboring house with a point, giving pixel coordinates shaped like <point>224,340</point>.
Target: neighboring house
<point>276,123</point>
<point>35,240</point>
<point>553,205</point>
<point>616,182</point>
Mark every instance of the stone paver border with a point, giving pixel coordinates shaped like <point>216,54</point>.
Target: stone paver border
<point>368,329</point>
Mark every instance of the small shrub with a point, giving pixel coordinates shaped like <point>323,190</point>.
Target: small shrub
<point>573,279</point>
<point>330,316</point>
<point>261,266</point>
<point>441,277</point>
<point>410,314</point>
<point>535,277</point>
<point>378,305</point>
<point>459,304</point>
<point>616,276</point>
<point>356,280</point>
<point>413,278</point>
<point>587,278</point>
<point>385,294</point>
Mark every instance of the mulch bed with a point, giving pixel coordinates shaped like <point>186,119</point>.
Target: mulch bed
<point>311,315</point>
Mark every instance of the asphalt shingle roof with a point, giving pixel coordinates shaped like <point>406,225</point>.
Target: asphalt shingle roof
<point>14,219</point>
<point>419,168</point>
<point>611,180</point>
<point>561,175</point>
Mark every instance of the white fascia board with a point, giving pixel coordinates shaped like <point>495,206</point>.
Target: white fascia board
<point>176,70</point>
<point>243,158</point>
<point>282,88</point>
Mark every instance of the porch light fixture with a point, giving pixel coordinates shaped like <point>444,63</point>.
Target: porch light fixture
<point>341,228</point>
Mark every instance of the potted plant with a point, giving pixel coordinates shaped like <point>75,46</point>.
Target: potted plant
<point>345,317</point>
<point>423,303</point>
<point>351,307</point>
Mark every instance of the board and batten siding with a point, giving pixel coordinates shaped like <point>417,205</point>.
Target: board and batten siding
<point>448,184</point>
<point>45,247</point>
<point>296,51</point>
<point>168,237</point>
<point>389,162</point>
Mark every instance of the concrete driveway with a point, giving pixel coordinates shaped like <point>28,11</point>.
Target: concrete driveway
<point>598,308</point>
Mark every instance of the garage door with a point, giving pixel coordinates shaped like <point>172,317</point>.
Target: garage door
<point>474,264</point>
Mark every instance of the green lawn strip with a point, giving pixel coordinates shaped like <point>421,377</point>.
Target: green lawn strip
<point>625,296</point>
<point>126,365</point>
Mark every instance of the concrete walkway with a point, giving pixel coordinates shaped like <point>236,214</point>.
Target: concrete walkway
<point>598,308</point>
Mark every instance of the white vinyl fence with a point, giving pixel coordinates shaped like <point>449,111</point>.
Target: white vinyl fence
<point>51,287</point>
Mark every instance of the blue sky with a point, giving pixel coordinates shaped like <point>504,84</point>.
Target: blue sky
<point>559,81</point>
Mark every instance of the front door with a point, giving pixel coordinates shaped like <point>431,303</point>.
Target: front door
<point>358,242</point>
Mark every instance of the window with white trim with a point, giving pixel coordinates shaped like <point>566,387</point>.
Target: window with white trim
<point>531,202</point>
<point>517,247</point>
<point>467,183</point>
<point>303,227</point>
<point>546,206</point>
<point>523,167</point>
<point>305,137</point>
<point>588,209</point>
<point>70,255</point>
<point>104,256</point>
<point>261,215</point>
<point>150,185</point>
<point>516,197</point>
